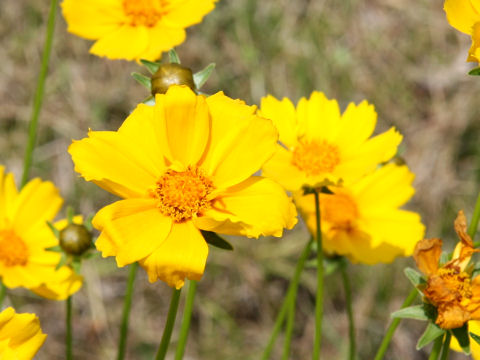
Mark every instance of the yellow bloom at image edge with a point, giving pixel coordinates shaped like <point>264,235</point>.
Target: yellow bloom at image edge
<point>133,29</point>
<point>20,335</point>
<point>181,166</point>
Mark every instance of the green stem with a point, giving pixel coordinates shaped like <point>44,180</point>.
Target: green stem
<point>472,228</point>
<point>167,332</point>
<point>39,92</point>
<point>393,326</point>
<point>283,310</point>
<point>289,326</point>
<point>127,305</point>
<point>351,323</point>
<point>437,345</point>
<point>446,346</point>
<point>3,293</point>
<point>319,294</point>
<point>187,316</point>
<point>68,335</point>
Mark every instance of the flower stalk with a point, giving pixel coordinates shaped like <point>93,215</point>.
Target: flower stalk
<point>436,348</point>
<point>446,346</point>
<point>351,321</point>
<point>187,317</point>
<point>69,331</point>
<point>319,294</point>
<point>167,332</point>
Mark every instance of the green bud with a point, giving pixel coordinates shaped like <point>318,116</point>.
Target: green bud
<point>171,74</point>
<point>75,239</point>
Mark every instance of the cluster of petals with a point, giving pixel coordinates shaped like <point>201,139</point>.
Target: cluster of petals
<point>184,165</point>
<point>25,239</point>
<point>450,287</point>
<point>464,15</point>
<point>20,335</point>
<point>133,29</point>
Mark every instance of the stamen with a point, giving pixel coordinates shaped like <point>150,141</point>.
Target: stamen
<point>316,157</point>
<point>13,251</point>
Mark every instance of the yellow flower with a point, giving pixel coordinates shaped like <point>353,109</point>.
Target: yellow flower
<point>464,15</point>
<point>362,220</point>
<point>473,327</point>
<point>450,287</point>
<point>182,166</point>
<point>133,29</point>
<point>25,238</point>
<point>20,335</point>
<point>319,143</point>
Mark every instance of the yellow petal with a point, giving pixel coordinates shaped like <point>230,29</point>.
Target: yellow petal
<point>63,283</point>
<point>187,124</point>
<point>474,52</point>
<point>283,115</point>
<point>183,13</point>
<point>461,14</point>
<point>8,194</point>
<point>92,19</point>
<point>127,42</point>
<point>162,38</point>
<point>134,228</point>
<point>473,327</point>
<point>258,206</point>
<point>182,255</point>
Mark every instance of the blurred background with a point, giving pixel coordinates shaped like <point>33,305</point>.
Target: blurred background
<point>400,55</point>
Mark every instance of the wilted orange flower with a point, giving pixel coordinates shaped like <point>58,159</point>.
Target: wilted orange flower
<point>450,288</point>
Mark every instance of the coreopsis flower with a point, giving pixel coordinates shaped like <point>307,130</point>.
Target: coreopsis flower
<point>133,29</point>
<point>318,143</point>
<point>450,287</point>
<point>25,239</point>
<point>181,166</point>
<point>464,15</point>
<point>362,220</point>
<point>20,335</point>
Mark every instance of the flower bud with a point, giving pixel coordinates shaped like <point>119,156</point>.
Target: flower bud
<point>171,74</point>
<point>75,239</point>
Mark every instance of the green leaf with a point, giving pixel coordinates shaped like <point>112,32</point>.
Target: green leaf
<point>143,80</point>
<point>55,231</point>
<point>431,333</point>
<point>416,312</point>
<point>414,276</point>
<point>151,66</point>
<point>475,72</point>
<point>201,77</point>
<point>461,334</point>
<point>475,337</point>
<point>172,54</point>
<point>217,241</point>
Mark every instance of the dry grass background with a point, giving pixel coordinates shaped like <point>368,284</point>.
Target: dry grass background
<point>401,55</point>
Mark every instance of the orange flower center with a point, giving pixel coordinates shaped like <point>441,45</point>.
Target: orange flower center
<point>455,282</point>
<point>183,194</point>
<point>13,251</point>
<point>316,157</point>
<point>339,210</point>
<point>144,12</point>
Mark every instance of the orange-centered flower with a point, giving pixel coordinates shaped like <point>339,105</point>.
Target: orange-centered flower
<point>133,29</point>
<point>183,165</point>
<point>450,287</point>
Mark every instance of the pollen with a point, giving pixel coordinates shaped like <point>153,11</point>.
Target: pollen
<point>144,12</point>
<point>183,194</point>
<point>13,251</point>
<point>316,157</point>
<point>339,210</point>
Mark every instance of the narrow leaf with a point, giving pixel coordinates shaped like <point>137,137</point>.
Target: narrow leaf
<point>475,72</point>
<point>414,276</point>
<point>151,66</point>
<point>217,241</point>
<point>201,77</point>
<point>475,337</point>
<point>143,80</point>
<point>172,54</point>
<point>63,261</point>
<point>88,223</point>
<point>54,229</point>
<point>461,334</point>
<point>431,333</point>
<point>416,312</point>
<point>56,248</point>
<point>70,214</point>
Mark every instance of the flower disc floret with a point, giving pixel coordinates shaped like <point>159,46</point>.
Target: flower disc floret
<point>13,251</point>
<point>316,157</point>
<point>183,194</point>
<point>143,12</point>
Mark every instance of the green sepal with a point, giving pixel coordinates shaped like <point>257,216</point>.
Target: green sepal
<point>143,80</point>
<point>55,231</point>
<point>321,188</point>
<point>431,333</point>
<point>461,334</point>
<point>149,100</point>
<point>417,312</point>
<point>62,262</point>
<point>201,77</point>
<point>70,214</point>
<point>217,241</point>
<point>76,265</point>
<point>173,56</point>
<point>475,337</point>
<point>151,66</point>
<point>91,255</point>
<point>56,248</point>
<point>414,276</point>
<point>88,222</point>
<point>474,72</point>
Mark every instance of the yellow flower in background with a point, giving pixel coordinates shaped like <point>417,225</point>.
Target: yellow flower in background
<point>464,15</point>
<point>182,166</point>
<point>362,220</point>
<point>319,143</point>
<point>133,29</point>
<point>25,238</point>
<point>20,335</point>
